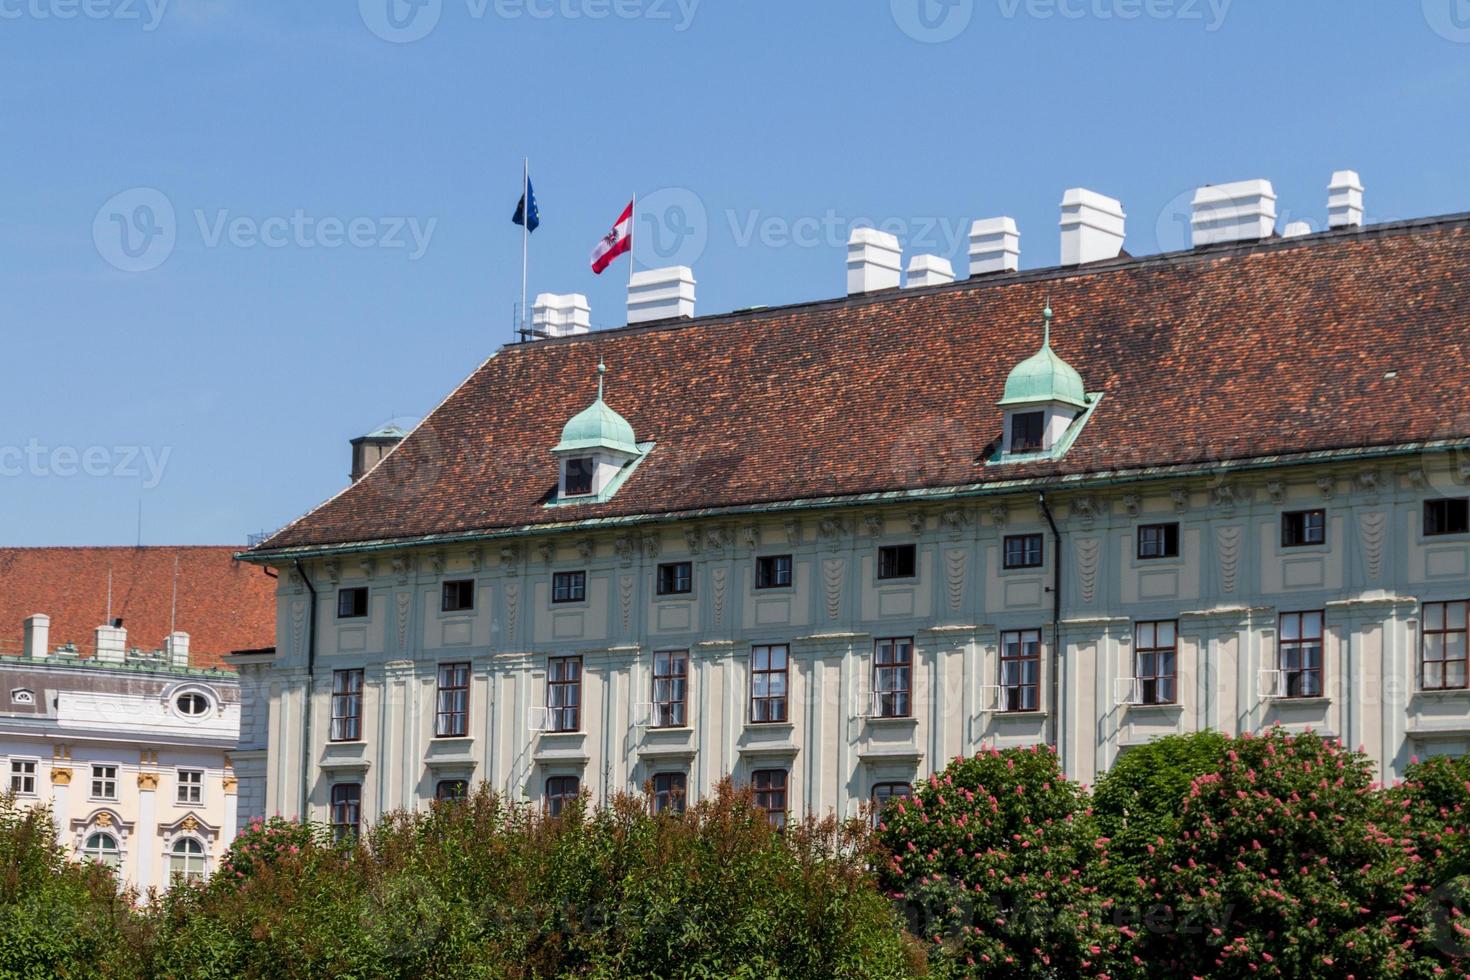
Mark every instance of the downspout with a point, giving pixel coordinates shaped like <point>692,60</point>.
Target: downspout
<point>310,691</point>
<point>1056,623</point>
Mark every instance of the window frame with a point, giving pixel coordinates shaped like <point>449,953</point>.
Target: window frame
<point>1445,631</point>
<point>1441,530</point>
<point>1305,516</point>
<point>457,595</point>
<point>345,815</point>
<point>96,854</point>
<point>768,791</point>
<point>346,721</point>
<point>676,682</point>
<point>1166,543</point>
<point>557,714</point>
<point>897,701</point>
<point>103,794</point>
<point>179,850</point>
<point>667,796</point>
<point>1025,552</point>
<point>576,463</point>
<point>19,776</point>
<point>193,697</point>
<point>452,714</point>
<point>1020,686</point>
<point>451,790</point>
<point>1151,695</point>
<point>889,791</point>
<point>768,699</point>
<point>768,572</point>
<point>568,587</point>
<point>1015,446</point>
<point>1302,643</point>
<point>673,579</point>
<point>189,786</point>
<point>351,612</point>
<point>887,557</point>
<point>556,800</point>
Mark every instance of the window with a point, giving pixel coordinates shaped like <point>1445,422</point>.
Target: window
<point>883,792</point>
<point>23,777</point>
<point>191,786</point>
<point>352,603</point>
<point>1026,431</point>
<point>770,793</point>
<point>102,849</point>
<point>458,596</point>
<point>1449,516</point>
<point>346,705</point>
<point>453,703</point>
<point>192,704</point>
<point>186,859</point>
<point>346,810</point>
<point>773,572</point>
<point>1158,541</point>
<point>104,782</point>
<point>669,789</point>
<point>676,578</point>
<point>561,791</point>
<point>451,790</point>
<point>1154,662</point>
<point>893,677</point>
<point>768,683</point>
<point>569,587</point>
<point>579,475</point>
<point>1301,655</point>
<point>1023,551</point>
<point>897,561</point>
<point>670,688</point>
<point>1020,670</point>
<point>1303,527</point>
<point>564,694</point>
<point>1444,646</point>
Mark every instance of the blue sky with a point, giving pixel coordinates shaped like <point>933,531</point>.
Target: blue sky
<point>316,195</point>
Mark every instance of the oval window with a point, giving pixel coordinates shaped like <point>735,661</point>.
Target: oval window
<point>192,704</point>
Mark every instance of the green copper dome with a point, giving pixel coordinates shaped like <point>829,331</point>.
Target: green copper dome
<point>1045,377</point>
<point>597,427</point>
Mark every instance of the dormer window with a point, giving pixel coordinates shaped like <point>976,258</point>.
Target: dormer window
<point>578,475</point>
<point>597,452</point>
<point>1045,405</point>
<point>1027,431</point>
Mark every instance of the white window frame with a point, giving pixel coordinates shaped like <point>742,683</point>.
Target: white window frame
<point>34,775</point>
<point>181,784</point>
<point>95,779</point>
<point>203,857</point>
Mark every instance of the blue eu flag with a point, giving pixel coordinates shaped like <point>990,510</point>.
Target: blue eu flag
<point>532,222</point>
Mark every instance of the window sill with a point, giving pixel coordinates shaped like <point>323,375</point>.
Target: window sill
<point>449,739</point>
<point>1001,714</point>
<point>767,726</point>
<point>1310,702</point>
<point>891,721</point>
<point>1172,707</point>
<point>1446,693</point>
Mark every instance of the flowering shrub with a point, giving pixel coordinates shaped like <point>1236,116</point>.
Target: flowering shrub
<point>264,843</point>
<point>1431,808</point>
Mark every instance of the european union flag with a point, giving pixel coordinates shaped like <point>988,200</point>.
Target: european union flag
<point>520,218</point>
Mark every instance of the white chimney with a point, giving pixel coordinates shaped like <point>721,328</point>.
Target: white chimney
<point>661,294</point>
<point>874,261</point>
<point>37,636</point>
<point>176,648</point>
<point>928,270</point>
<point>995,246</point>
<point>1092,227</point>
<point>1296,229</point>
<point>1345,200</point>
<point>554,315</point>
<point>112,644</point>
<point>1239,212</point>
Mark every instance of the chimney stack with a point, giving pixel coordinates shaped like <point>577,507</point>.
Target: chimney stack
<point>928,270</point>
<point>37,636</point>
<point>995,246</point>
<point>1296,229</point>
<point>1239,212</point>
<point>874,261</point>
<point>1345,200</point>
<point>112,644</point>
<point>1092,227</point>
<point>661,294</point>
<point>176,649</point>
<point>554,315</point>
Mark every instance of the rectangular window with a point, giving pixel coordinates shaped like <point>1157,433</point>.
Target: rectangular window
<point>770,794</point>
<point>579,476</point>
<point>346,810</point>
<point>1300,659</point>
<point>893,677</point>
<point>564,694</point>
<point>23,777</point>
<point>897,561</point>
<point>670,688</point>
<point>1154,662</point>
<point>449,790</point>
<point>1026,431</point>
<point>669,789</point>
<point>569,587</point>
<point>883,792</point>
<point>773,572</point>
<point>453,702</point>
<point>1158,541</point>
<point>346,705</point>
<point>1444,642</point>
<point>458,596</point>
<point>191,786</point>
<point>1448,516</point>
<point>1020,670</point>
<point>561,792</point>
<point>1023,551</point>
<point>1303,527</point>
<point>352,603</point>
<point>676,578</point>
<point>768,675</point>
<point>104,782</point>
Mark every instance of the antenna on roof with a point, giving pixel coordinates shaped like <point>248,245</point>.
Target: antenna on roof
<point>173,607</point>
<point>140,521</point>
<point>109,593</point>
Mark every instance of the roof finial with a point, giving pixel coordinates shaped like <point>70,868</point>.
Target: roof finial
<point>1046,324</point>
<point>601,373</point>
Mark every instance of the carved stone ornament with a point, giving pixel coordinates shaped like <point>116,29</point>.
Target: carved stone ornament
<point>436,562</point>
<point>1328,486</point>
<point>402,568</point>
<point>509,559</point>
<point>874,524</point>
<point>547,550</point>
<point>1000,514</point>
<point>623,546</point>
<point>793,532</point>
<point>333,570</point>
<point>148,780</point>
<point>1132,503</point>
<point>693,540</point>
<point>475,557</point>
<point>585,547</point>
<point>61,776</point>
<point>750,535</point>
<point>917,521</point>
<point>1276,490</point>
<point>652,544</point>
<point>1180,496</point>
<point>955,520</point>
<point>368,566</point>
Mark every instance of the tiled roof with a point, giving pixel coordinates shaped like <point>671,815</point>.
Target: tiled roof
<point>223,604</point>
<point>1328,342</point>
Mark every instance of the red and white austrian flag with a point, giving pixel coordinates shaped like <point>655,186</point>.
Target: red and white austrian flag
<point>615,243</point>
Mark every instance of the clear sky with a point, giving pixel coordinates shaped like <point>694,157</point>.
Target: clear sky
<point>237,233</point>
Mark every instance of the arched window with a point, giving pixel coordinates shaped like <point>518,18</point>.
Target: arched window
<point>192,704</point>
<point>102,848</point>
<point>187,859</point>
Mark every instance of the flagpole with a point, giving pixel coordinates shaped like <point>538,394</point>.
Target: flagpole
<point>525,240</point>
<point>632,241</point>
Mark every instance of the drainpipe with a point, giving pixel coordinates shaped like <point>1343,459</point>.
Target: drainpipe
<point>1056,623</point>
<point>310,690</point>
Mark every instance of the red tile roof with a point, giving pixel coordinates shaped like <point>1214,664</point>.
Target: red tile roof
<point>223,604</point>
<point>1224,353</point>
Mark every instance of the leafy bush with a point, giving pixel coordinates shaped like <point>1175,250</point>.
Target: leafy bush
<point>1431,811</point>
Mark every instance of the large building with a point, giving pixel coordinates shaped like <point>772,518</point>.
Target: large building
<point>125,728</point>
<point>828,547</point>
